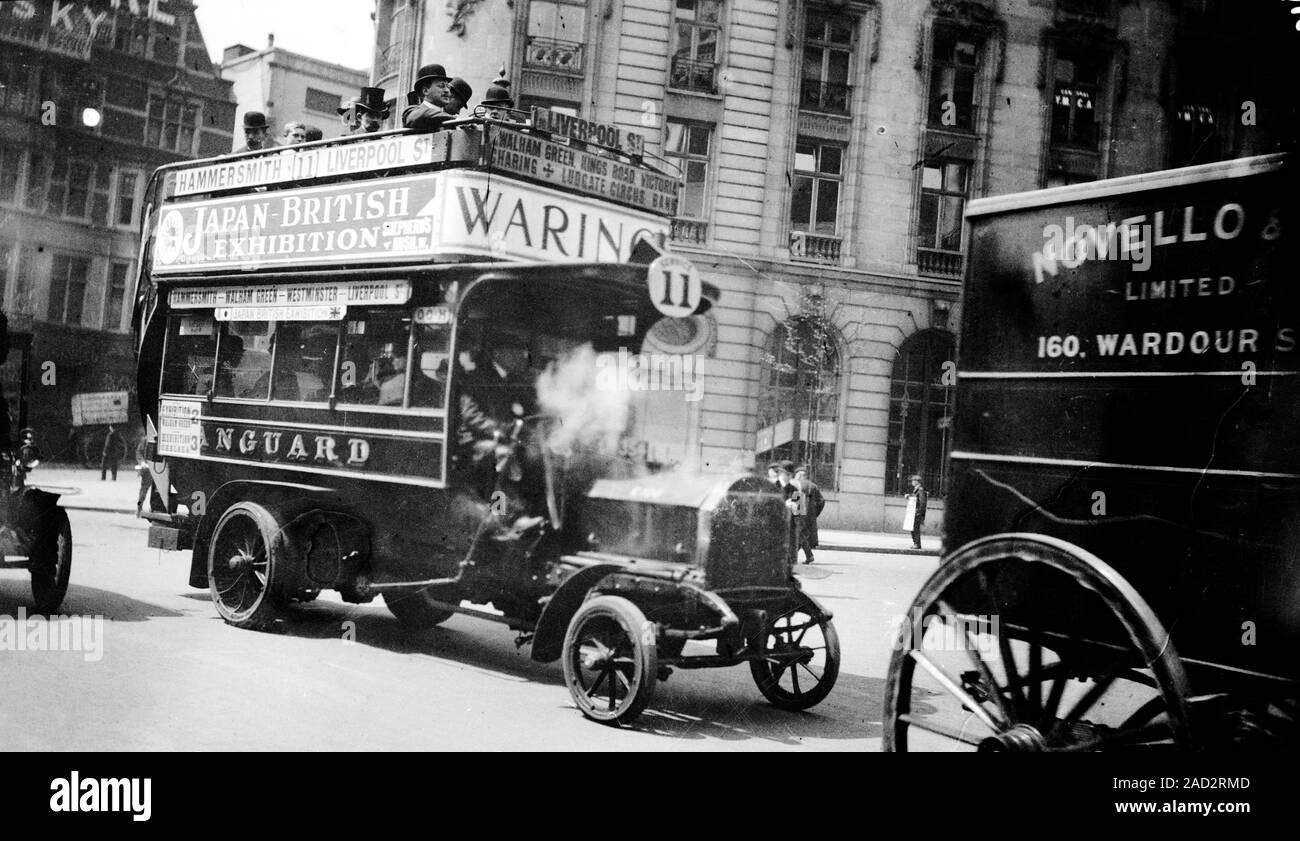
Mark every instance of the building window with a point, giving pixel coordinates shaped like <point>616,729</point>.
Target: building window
<point>818,172</point>
<point>687,146</point>
<point>798,412</point>
<point>171,125</point>
<point>38,175</point>
<point>117,275</point>
<point>943,198</point>
<point>72,184</point>
<point>132,34</point>
<point>126,199</point>
<point>827,60</point>
<point>1195,136</point>
<point>697,24</point>
<point>11,159</point>
<point>1075,117</point>
<point>322,101</point>
<point>556,34</point>
<point>8,266</point>
<point>15,86</point>
<point>67,288</point>
<point>952,80</point>
<point>920,412</point>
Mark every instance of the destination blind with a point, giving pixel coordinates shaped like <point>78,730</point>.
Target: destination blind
<point>583,172</point>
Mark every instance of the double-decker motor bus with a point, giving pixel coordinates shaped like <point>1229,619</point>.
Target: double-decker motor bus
<point>386,365</point>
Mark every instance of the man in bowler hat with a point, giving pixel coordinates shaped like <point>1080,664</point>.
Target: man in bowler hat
<point>256,133</point>
<point>433,86</point>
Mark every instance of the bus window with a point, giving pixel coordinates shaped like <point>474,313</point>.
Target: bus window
<point>244,359</point>
<point>432,359</point>
<point>191,349</point>
<point>304,360</point>
<point>373,369</point>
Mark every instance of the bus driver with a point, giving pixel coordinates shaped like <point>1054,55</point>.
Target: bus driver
<point>496,395</point>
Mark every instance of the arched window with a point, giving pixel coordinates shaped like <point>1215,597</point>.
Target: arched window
<point>798,410</point>
<point>920,411</point>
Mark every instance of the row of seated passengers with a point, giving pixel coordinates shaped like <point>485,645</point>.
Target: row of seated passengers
<point>381,387</point>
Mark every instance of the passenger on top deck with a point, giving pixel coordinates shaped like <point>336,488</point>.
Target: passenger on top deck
<point>256,133</point>
<point>365,113</point>
<point>441,99</point>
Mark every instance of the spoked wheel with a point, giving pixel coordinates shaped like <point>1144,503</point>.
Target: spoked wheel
<point>1027,643</point>
<point>51,561</point>
<point>801,657</point>
<point>611,661</point>
<point>243,555</point>
<point>415,609</point>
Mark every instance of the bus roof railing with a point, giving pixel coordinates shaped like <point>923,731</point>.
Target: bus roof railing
<point>444,151</point>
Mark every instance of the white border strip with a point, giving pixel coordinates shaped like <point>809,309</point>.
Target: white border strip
<point>1238,168</point>
<point>299,468</point>
<point>1067,375</point>
<point>963,455</point>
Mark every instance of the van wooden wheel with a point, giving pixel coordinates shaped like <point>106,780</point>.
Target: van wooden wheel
<point>1026,643</point>
<point>244,555</point>
<point>800,657</point>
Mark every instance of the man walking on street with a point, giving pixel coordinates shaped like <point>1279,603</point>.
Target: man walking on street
<point>114,446</point>
<point>918,491</point>
<point>805,504</point>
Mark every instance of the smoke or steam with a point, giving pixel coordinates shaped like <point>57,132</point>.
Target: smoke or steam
<point>589,417</point>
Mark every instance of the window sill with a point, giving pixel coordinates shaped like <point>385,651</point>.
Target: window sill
<point>714,95</point>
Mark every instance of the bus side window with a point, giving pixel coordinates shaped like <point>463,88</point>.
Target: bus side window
<point>304,360</point>
<point>373,369</point>
<point>432,359</point>
<point>191,348</point>
<point>244,359</point>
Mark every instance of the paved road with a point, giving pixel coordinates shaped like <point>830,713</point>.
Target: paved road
<point>173,676</point>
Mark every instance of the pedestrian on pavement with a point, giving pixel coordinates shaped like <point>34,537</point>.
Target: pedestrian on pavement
<point>142,467</point>
<point>114,444</point>
<point>918,491</point>
<point>785,478</point>
<point>805,504</point>
<point>774,474</point>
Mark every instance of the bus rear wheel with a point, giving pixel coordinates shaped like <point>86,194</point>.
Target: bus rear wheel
<point>244,557</point>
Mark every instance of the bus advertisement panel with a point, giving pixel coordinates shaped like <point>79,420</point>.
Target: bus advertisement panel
<point>407,219</point>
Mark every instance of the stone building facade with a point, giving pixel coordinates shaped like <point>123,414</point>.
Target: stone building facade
<point>288,87</point>
<point>827,150</point>
<point>93,97</point>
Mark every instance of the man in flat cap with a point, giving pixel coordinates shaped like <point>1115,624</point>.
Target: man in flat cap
<point>256,133</point>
